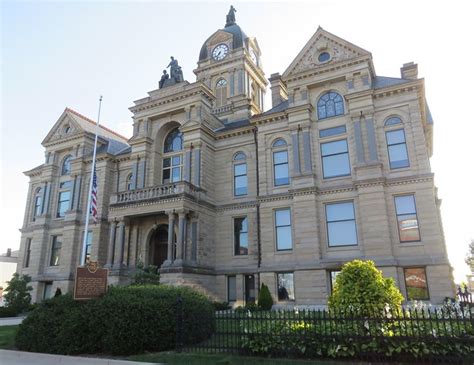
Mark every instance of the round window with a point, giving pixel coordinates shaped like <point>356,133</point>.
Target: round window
<point>324,57</point>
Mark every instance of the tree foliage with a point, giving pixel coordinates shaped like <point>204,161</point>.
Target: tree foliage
<point>470,256</point>
<point>265,300</point>
<point>18,295</point>
<point>148,275</point>
<point>360,287</point>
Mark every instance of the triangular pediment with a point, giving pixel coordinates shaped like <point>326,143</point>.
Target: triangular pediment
<point>65,127</point>
<point>219,37</point>
<point>339,50</point>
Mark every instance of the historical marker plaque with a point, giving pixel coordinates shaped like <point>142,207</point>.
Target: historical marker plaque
<point>91,281</point>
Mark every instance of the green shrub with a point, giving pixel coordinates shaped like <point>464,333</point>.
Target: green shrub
<point>265,300</point>
<point>361,288</point>
<point>148,275</point>
<point>126,320</point>
<point>7,312</point>
<point>60,325</point>
<point>18,294</point>
<point>221,306</point>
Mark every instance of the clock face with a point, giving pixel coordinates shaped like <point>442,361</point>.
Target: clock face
<point>220,52</point>
<point>254,57</point>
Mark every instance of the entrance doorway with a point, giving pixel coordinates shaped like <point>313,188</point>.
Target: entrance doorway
<point>159,246</point>
<point>249,289</point>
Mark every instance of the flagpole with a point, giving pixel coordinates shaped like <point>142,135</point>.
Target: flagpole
<point>89,196</point>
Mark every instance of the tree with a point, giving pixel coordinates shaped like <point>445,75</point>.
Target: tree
<point>265,300</point>
<point>18,295</point>
<point>360,287</point>
<point>148,275</point>
<point>470,256</point>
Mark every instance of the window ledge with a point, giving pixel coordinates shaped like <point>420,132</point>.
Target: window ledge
<point>410,244</point>
<point>283,252</point>
<point>343,248</point>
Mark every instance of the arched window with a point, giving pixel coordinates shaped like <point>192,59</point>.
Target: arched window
<point>173,141</point>
<point>172,158</point>
<point>221,92</point>
<point>330,104</point>
<point>130,182</point>
<point>281,174</point>
<point>396,143</point>
<point>66,167</point>
<point>240,174</point>
<point>38,203</point>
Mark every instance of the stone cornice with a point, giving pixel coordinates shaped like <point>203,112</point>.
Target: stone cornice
<point>264,119</point>
<point>397,89</point>
<point>234,132</point>
<point>328,68</point>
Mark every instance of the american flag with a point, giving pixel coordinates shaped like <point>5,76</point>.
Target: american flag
<point>94,197</point>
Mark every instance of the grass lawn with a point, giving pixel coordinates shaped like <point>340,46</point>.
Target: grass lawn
<point>173,358</point>
<point>7,336</point>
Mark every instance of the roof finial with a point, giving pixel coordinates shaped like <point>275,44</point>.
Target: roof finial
<point>230,18</point>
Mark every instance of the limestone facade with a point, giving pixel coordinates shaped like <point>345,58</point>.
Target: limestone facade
<point>202,172</point>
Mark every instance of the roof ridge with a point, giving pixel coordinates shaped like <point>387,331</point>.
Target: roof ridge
<point>94,122</point>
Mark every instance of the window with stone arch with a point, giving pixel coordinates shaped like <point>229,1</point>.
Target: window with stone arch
<point>240,174</point>
<point>330,104</point>
<point>281,174</point>
<point>173,157</point>
<point>221,92</point>
<point>396,143</point>
<point>66,166</point>
<point>38,203</point>
<point>129,183</point>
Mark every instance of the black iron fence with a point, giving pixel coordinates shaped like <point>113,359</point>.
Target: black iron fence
<point>416,335</point>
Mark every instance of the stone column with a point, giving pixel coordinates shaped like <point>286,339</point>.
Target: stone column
<point>371,140</point>
<point>308,164</point>
<point>169,259</point>
<point>358,141</point>
<point>121,244</point>
<point>111,248</point>
<point>296,153</point>
<point>180,241</point>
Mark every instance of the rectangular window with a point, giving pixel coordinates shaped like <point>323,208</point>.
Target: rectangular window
<point>397,149</point>
<point>88,247</point>
<point>55,251</point>
<point>172,169</point>
<point>231,289</point>
<point>280,168</point>
<point>48,290</point>
<point>63,203</point>
<point>286,286</point>
<point>332,276</point>
<point>416,283</point>
<point>332,131</point>
<point>335,157</point>
<point>38,200</point>
<point>407,218</point>
<point>241,244</point>
<point>27,253</point>
<point>240,179</point>
<point>341,224</point>
<point>283,229</point>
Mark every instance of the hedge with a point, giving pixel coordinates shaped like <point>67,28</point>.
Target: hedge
<point>127,320</point>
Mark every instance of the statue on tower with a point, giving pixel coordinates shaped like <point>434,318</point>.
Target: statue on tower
<point>175,76</point>
<point>230,18</point>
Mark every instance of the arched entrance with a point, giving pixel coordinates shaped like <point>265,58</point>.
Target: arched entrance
<point>158,246</point>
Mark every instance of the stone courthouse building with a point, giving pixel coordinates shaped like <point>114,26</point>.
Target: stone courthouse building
<point>224,196</point>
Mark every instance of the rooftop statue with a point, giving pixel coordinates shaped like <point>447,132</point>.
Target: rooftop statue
<point>175,76</point>
<point>230,18</point>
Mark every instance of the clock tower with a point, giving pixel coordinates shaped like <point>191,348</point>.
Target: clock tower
<point>230,65</point>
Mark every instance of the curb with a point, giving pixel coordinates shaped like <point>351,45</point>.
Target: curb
<point>6,355</point>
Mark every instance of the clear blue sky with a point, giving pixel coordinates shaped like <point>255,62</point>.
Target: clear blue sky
<point>62,53</point>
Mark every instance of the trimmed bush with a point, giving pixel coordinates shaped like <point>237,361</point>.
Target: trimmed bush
<point>361,288</point>
<point>127,320</point>
<point>7,312</point>
<point>265,300</point>
<point>221,306</point>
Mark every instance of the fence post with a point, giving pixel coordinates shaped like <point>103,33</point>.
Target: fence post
<point>179,324</point>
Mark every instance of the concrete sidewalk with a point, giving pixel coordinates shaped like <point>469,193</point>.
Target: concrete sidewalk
<point>27,358</point>
<point>10,321</point>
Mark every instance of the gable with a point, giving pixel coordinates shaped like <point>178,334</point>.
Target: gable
<point>65,127</point>
<point>322,41</point>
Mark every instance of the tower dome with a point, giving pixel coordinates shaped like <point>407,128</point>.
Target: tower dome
<point>238,35</point>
